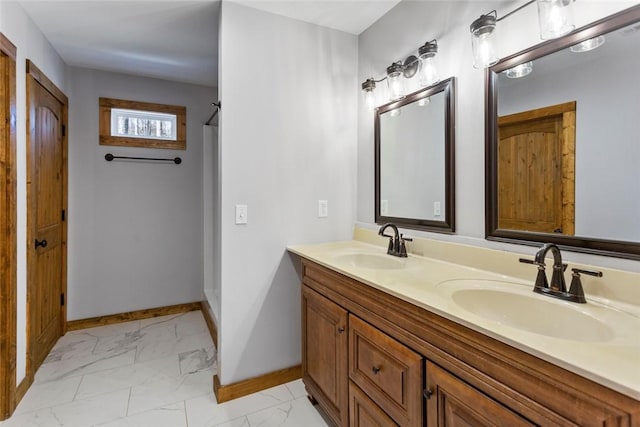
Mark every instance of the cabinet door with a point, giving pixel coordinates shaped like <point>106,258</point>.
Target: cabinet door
<point>324,354</point>
<point>364,412</point>
<point>454,403</point>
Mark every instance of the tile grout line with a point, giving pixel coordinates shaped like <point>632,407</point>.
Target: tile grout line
<point>186,418</point>
<point>77,389</point>
<point>128,402</point>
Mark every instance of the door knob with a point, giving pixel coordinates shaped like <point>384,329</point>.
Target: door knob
<point>41,243</point>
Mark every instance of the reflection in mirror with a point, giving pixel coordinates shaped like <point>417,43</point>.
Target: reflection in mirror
<point>414,160</point>
<point>562,141</point>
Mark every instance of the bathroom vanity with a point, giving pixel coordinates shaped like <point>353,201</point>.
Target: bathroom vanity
<point>385,343</point>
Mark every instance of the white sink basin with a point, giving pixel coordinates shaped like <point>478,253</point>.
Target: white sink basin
<point>518,307</point>
<point>371,261</point>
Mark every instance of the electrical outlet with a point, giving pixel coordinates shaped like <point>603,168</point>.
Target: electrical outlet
<point>323,208</point>
<point>241,214</point>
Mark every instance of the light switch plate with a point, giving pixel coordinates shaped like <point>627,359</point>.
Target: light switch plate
<point>241,214</point>
<point>323,208</point>
<point>436,208</point>
<point>384,207</point>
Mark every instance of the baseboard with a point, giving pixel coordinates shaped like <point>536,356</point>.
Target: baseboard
<point>224,393</point>
<point>207,313</point>
<point>132,315</point>
<point>22,389</point>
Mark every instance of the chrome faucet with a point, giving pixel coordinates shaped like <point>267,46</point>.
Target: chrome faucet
<point>397,245</point>
<point>558,287</point>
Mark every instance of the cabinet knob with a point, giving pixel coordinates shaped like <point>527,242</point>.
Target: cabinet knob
<point>341,329</point>
<point>375,370</point>
<point>428,393</point>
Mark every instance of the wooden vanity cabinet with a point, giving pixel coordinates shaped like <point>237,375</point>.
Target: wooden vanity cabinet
<point>451,402</point>
<point>324,354</point>
<point>372,359</point>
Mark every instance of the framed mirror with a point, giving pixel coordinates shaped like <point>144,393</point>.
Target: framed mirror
<point>563,141</point>
<point>414,160</point>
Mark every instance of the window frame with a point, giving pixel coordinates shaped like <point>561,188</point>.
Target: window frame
<point>106,104</point>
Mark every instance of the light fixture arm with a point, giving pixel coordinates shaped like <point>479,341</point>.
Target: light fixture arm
<point>519,8</point>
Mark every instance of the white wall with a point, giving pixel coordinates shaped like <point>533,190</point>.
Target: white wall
<point>31,44</point>
<point>211,218</point>
<point>288,138</point>
<point>135,228</point>
<point>448,22</point>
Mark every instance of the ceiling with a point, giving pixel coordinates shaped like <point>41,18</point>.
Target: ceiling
<point>172,40</point>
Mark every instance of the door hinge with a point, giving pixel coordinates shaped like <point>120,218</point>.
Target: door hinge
<point>64,215</point>
<point>64,130</point>
<point>61,299</point>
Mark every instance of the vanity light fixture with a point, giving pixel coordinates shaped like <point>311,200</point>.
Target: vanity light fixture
<point>483,36</point>
<point>424,65</point>
<point>520,70</point>
<point>428,70</point>
<point>588,45</point>
<point>368,86</point>
<point>555,19</point>
<point>394,80</point>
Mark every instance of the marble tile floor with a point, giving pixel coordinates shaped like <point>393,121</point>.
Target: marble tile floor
<point>148,373</point>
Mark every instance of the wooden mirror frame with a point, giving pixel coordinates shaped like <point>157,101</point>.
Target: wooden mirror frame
<point>616,248</point>
<point>448,224</point>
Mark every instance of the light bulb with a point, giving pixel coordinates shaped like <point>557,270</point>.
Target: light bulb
<point>428,68</point>
<point>483,36</point>
<point>520,70</point>
<point>368,86</point>
<point>555,18</point>
<point>394,81</point>
<point>588,45</point>
<point>369,99</point>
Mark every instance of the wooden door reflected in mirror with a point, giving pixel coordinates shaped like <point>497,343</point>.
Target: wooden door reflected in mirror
<point>536,170</point>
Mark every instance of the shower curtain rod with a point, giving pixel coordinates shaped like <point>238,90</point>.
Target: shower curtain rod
<point>217,105</point>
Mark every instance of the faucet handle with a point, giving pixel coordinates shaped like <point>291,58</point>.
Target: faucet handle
<point>576,289</point>
<point>402,252</point>
<point>578,271</point>
<point>541,278</point>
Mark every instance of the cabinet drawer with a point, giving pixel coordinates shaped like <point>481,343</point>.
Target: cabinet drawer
<point>387,371</point>
<point>364,412</point>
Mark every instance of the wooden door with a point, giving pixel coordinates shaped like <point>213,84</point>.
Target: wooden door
<point>536,170</point>
<point>324,354</point>
<point>8,225</point>
<point>454,403</point>
<point>45,216</point>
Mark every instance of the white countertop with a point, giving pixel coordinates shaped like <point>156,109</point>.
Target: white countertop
<point>427,283</point>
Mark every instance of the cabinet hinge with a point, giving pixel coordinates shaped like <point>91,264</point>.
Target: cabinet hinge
<point>61,299</point>
<point>64,130</point>
<point>63,215</point>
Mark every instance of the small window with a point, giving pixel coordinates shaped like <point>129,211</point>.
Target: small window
<point>141,124</point>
